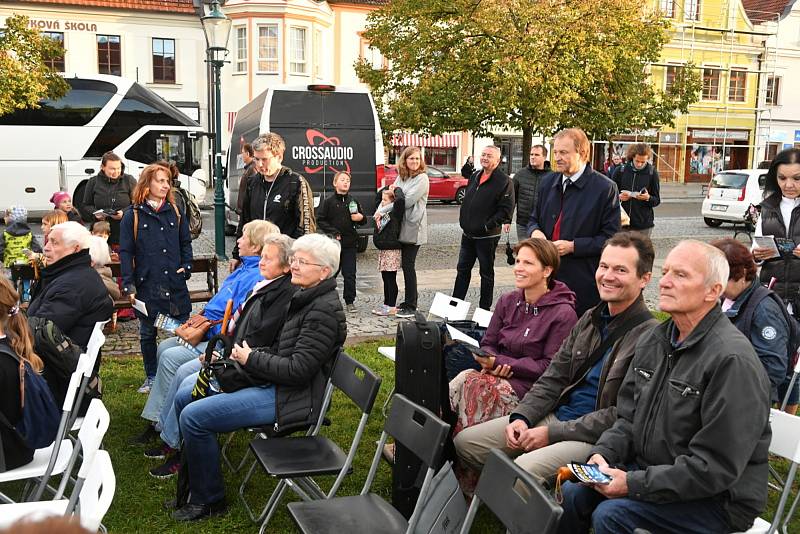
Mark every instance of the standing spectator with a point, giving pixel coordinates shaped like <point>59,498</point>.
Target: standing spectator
<point>276,193</point>
<point>386,240</point>
<point>578,210</point>
<point>468,168</point>
<point>413,180</point>
<point>110,189</point>
<point>526,187</point>
<point>338,216</point>
<point>614,166</point>
<point>63,201</point>
<point>690,445</point>
<point>639,189</point>
<point>248,171</point>
<point>486,210</point>
<point>18,244</point>
<point>156,259</point>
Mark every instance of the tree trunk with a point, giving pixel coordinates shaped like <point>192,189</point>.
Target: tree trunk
<point>527,141</point>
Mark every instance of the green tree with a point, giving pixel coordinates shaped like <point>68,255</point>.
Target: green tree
<point>26,79</point>
<point>531,65</point>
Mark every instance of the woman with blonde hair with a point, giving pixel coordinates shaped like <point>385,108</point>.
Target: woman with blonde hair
<point>15,337</point>
<point>156,259</point>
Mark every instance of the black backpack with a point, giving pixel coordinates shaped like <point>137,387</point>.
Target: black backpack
<point>57,351</point>
<point>759,294</point>
<point>193,215</point>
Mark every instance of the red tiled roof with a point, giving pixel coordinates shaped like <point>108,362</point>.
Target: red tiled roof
<point>765,10</point>
<point>172,6</point>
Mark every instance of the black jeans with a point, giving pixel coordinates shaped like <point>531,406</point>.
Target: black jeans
<point>390,289</point>
<point>408,263</point>
<point>483,250</point>
<point>347,264</point>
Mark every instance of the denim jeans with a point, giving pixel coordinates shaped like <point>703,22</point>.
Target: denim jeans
<point>167,420</point>
<point>483,250</point>
<point>347,263</point>
<point>584,507</point>
<point>147,342</point>
<point>200,422</point>
<point>171,356</point>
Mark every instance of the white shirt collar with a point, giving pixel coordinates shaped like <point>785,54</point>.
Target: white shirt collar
<point>573,178</point>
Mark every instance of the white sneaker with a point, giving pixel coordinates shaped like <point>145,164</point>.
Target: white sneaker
<point>145,387</point>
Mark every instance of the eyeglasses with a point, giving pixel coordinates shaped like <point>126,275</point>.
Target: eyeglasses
<point>302,263</point>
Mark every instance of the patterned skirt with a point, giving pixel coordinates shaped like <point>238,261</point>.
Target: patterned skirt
<point>477,397</point>
<point>389,260</point>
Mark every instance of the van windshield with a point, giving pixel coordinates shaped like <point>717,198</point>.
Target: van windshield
<point>729,180</point>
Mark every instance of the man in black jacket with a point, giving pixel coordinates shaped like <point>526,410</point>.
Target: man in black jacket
<point>487,208</point>
<point>639,189</point>
<point>70,292</point>
<point>690,445</point>
<point>526,187</point>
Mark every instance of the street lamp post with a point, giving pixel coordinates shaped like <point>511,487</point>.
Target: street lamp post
<point>217,29</point>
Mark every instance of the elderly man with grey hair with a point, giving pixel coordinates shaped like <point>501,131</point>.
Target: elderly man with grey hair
<point>70,292</point>
<point>688,451</point>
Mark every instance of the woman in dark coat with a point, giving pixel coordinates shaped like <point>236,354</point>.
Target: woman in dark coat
<point>293,373</point>
<point>156,259</point>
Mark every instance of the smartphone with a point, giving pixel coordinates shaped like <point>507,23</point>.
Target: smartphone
<point>589,473</point>
<point>643,191</point>
<point>478,351</point>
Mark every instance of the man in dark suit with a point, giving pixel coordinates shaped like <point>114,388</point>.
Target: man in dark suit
<point>578,210</point>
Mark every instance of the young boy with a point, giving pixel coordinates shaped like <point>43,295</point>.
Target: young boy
<point>103,229</point>
<point>337,217</point>
<point>15,240</point>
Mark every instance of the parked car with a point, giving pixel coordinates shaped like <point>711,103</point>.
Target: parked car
<point>445,187</point>
<point>730,193</point>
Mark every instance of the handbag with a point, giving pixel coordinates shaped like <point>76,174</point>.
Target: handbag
<point>510,259</point>
<point>223,375</point>
<point>194,330</point>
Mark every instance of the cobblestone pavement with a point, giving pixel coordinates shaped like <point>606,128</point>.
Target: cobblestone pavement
<point>436,269</point>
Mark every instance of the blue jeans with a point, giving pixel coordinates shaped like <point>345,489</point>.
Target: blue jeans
<point>584,507</point>
<point>200,422</point>
<point>167,420</point>
<point>147,341</point>
<point>170,356</point>
<point>483,250</point>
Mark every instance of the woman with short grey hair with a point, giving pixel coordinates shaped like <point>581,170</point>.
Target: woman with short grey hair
<point>322,250</point>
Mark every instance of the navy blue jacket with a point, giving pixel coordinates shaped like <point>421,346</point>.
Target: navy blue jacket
<point>150,262</point>
<point>591,215</point>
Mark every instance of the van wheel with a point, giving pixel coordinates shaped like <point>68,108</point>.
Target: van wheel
<point>460,195</point>
<point>713,223</point>
<point>77,201</point>
<point>363,241</point>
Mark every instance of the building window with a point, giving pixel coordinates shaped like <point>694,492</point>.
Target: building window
<point>773,90</point>
<point>444,158</point>
<point>691,10</point>
<point>667,8</point>
<point>109,59</point>
<point>669,78</point>
<point>268,48</point>
<point>737,88</point>
<point>163,60</point>
<point>372,55</point>
<point>772,150</point>
<point>297,50</point>
<point>710,83</point>
<point>241,49</point>
<point>56,63</point>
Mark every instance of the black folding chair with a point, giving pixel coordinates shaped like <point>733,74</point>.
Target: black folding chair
<point>522,505</point>
<point>295,460</point>
<point>414,427</point>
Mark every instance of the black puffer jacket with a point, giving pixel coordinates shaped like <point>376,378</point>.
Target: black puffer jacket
<point>333,218</point>
<point>387,237</point>
<point>312,336</point>
<point>526,190</point>
<point>102,193</point>
<point>785,269</point>
<point>72,295</point>
<point>264,312</point>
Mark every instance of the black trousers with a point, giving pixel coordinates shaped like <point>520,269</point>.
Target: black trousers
<point>483,250</point>
<point>347,264</point>
<point>408,261</point>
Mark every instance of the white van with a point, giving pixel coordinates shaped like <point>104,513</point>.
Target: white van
<point>326,129</point>
<point>730,193</point>
<point>58,145</point>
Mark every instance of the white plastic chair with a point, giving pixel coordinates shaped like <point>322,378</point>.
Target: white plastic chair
<point>482,317</point>
<point>786,444</point>
<point>96,341</point>
<point>93,492</point>
<point>449,308</point>
<point>795,374</point>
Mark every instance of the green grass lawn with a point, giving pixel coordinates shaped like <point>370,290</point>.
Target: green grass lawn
<point>137,506</point>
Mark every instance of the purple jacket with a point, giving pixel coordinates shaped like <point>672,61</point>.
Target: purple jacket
<point>525,336</point>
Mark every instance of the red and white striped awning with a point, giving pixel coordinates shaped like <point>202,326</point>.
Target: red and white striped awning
<point>433,141</point>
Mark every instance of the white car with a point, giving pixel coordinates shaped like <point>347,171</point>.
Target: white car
<point>730,193</point>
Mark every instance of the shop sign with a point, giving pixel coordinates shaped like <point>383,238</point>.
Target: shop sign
<point>728,135</point>
<point>62,25</point>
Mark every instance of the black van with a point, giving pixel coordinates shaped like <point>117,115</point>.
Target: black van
<point>326,129</point>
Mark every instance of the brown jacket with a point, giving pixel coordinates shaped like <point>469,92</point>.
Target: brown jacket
<point>561,376</point>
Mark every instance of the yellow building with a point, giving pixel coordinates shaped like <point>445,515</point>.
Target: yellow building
<point>719,131</point>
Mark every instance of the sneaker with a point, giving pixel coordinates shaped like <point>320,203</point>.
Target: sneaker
<point>405,312</point>
<point>350,308</point>
<point>159,452</point>
<point>384,311</point>
<point>148,383</point>
<point>149,435</point>
<point>169,468</point>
